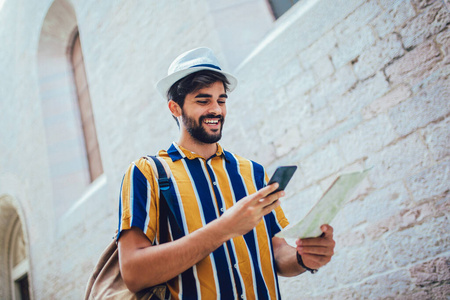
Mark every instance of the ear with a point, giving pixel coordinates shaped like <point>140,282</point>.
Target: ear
<point>174,108</point>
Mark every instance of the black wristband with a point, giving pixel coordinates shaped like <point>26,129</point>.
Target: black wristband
<point>300,262</point>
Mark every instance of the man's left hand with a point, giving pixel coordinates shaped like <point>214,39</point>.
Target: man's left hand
<point>317,252</point>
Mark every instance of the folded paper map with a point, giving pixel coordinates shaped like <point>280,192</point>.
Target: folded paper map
<point>326,208</point>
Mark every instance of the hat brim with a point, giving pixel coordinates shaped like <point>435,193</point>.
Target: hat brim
<point>164,84</point>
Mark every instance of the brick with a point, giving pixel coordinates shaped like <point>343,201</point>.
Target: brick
<point>396,14</point>
<point>426,107</point>
<point>414,65</point>
<point>432,271</point>
<point>343,293</point>
<point>407,246</point>
<point>361,262</point>
<point>323,68</point>
<point>403,219</point>
<point>286,73</point>
<point>437,138</point>
<point>416,294</point>
<point>284,143</point>
<point>331,87</point>
<point>443,39</point>
<point>428,23</point>
<point>442,204</point>
<point>300,84</point>
<point>376,57</point>
<point>286,120</point>
<point>357,19</point>
<point>322,163</point>
<point>363,94</point>
<point>318,49</point>
<point>440,292</point>
<point>382,104</point>
<point>377,206</point>
<point>347,238</point>
<point>430,182</point>
<point>437,76</point>
<point>386,286</point>
<point>351,45</point>
<point>328,136</point>
<point>310,128</point>
<point>421,4</point>
<point>397,161</point>
<point>355,145</point>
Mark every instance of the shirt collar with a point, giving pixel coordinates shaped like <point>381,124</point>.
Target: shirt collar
<point>177,152</point>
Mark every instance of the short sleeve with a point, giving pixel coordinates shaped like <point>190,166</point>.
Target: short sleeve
<point>138,201</point>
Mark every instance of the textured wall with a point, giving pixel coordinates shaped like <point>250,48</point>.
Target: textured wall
<point>336,86</point>
<point>346,86</point>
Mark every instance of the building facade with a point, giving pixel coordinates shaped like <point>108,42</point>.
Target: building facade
<point>333,86</point>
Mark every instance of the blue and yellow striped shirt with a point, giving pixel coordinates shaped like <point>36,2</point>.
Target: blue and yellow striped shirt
<point>243,267</point>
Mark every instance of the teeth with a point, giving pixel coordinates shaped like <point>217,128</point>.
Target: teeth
<point>211,121</point>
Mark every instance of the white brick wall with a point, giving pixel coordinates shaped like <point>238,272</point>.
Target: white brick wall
<point>336,86</point>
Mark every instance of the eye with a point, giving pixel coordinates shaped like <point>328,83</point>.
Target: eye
<point>202,101</point>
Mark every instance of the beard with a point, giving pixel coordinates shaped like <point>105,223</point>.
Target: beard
<point>198,132</point>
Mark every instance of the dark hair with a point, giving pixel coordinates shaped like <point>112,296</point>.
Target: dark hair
<point>194,82</point>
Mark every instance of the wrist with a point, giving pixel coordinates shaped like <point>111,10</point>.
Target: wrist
<point>221,230</point>
<point>302,264</point>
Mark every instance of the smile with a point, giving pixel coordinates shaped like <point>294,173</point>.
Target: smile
<point>211,121</point>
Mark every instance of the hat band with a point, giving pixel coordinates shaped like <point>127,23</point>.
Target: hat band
<point>207,65</point>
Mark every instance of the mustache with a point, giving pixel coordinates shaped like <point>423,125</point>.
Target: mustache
<point>211,116</point>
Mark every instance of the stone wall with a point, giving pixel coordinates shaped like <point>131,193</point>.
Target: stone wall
<point>336,86</point>
<point>349,85</point>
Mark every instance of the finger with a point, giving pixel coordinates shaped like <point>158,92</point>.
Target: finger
<point>262,194</point>
<point>316,242</point>
<point>268,208</point>
<point>271,198</point>
<point>315,261</point>
<point>327,231</point>
<point>265,191</point>
<point>323,251</point>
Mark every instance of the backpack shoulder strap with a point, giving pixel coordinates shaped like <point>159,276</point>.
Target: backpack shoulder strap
<point>166,199</point>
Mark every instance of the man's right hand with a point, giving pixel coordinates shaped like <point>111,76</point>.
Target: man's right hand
<point>248,212</point>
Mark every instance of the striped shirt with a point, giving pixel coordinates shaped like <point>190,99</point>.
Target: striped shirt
<point>243,267</point>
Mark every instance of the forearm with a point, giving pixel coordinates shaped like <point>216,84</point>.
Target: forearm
<point>151,265</point>
<point>286,258</point>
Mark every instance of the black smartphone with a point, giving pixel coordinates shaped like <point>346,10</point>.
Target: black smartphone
<point>282,175</point>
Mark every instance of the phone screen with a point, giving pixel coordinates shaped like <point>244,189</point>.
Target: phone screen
<point>282,175</point>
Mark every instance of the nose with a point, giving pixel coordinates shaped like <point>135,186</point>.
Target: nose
<point>215,108</point>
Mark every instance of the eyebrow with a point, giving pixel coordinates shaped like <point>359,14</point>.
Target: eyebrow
<point>210,96</point>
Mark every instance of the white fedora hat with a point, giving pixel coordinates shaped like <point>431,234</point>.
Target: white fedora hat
<point>189,62</point>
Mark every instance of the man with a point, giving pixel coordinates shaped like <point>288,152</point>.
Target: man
<point>227,249</point>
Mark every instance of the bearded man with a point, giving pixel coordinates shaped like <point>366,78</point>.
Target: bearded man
<point>225,247</point>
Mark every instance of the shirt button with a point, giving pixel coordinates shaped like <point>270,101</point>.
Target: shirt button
<point>222,209</point>
<point>215,183</point>
<point>235,266</point>
<point>242,296</point>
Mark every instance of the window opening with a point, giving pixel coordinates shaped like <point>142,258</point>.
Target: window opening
<point>86,113</point>
<point>279,7</point>
<point>19,263</point>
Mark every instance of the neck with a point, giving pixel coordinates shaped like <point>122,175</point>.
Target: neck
<point>202,149</point>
